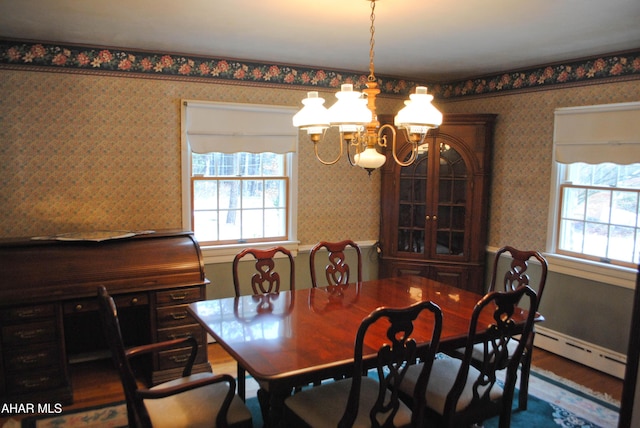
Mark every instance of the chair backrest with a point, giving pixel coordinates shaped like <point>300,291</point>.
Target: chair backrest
<point>136,411</point>
<point>394,358</point>
<point>266,279</point>
<point>495,338</point>
<point>337,271</point>
<point>517,276</point>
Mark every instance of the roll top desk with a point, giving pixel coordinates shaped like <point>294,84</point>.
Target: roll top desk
<point>48,306</point>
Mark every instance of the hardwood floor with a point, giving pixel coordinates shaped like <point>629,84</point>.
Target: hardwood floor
<point>96,382</point>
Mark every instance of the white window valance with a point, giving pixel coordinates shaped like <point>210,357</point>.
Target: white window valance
<point>233,128</point>
<point>598,134</point>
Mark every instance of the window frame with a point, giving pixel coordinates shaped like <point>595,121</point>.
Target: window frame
<point>565,183</point>
<point>594,270</point>
<point>226,252</point>
<point>242,179</point>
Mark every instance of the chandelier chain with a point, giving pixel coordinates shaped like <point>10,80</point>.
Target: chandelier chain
<point>372,42</point>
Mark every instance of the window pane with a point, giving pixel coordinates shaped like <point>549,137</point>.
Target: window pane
<point>571,236</point>
<point>595,239</point>
<point>605,174</point>
<point>275,221</point>
<point>230,224</point>
<point>629,176</point>
<point>580,174</point>
<point>272,164</point>
<point>598,205</point>
<point>252,224</point>
<point>252,194</point>
<point>205,195</point>
<point>275,194</point>
<point>206,223</point>
<point>573,203</point>
<point>624,209</point>
<point>621,243</point>
<point>230,194</point>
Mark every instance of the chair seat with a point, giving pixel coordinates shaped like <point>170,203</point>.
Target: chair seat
<point>324,405</point>
<point>443,375</point>
<point>195,408</point>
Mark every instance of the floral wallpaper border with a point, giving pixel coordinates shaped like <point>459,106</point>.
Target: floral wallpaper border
<point>100,59</point>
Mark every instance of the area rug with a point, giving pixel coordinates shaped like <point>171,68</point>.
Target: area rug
<point>553,402</point>
<point>107,416</point>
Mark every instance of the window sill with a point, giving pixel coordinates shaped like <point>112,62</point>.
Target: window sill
<point>586,269</point>
<point>226,253</point>
<point>595,271</point>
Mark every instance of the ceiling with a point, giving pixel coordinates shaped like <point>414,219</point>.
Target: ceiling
<point>431,40</point>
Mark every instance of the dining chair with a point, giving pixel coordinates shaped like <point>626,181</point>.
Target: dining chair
<point>514,277</point>
<point>193,400</point>
<point>265,280</point>
<point>459,394</point>
<point>337,271</point>
<point>363,400</point>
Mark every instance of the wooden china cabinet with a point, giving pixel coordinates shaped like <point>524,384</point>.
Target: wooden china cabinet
<point>434,212</point>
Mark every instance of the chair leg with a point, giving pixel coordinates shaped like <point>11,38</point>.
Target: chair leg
<point>523,394</point>
<point>242,384</point>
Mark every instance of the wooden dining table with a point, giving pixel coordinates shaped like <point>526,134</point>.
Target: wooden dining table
<point>293,338</point>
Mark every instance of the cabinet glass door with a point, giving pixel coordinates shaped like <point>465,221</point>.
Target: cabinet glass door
<point>452,202</point>
<point>412,206</point>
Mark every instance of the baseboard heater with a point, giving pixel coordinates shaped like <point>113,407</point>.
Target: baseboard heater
<point>594,356</point>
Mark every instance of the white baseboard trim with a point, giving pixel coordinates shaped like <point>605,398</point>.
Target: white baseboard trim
<point>594,356</point>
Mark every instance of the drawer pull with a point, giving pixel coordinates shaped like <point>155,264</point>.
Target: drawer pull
<point>179,316</point>
<point>28,313</point>
<point>134,301</point>
<point>176,297</point>
<point>30,359</point>
<point>79,307</point>
<point>179,336</point>
<point>29,334</point>
<point>179,359</point>
<point>35,383</point>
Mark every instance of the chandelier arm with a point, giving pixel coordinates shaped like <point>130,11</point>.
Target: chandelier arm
<point>414,146</point>
<point>315,149</point>
<point>358,143</point>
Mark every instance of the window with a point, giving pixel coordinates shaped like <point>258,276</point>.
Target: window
<point>239,197</point>
<point>595,208</point>
<point>239,173</point>
<point>599,212</point>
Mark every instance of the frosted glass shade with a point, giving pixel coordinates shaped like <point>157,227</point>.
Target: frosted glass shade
<point>370,158</point>
<point>313,116</point>
<point>418,114</point>
<point>350,109</point>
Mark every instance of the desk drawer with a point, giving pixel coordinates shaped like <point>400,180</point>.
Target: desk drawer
<point>178,357</point>
<point>174,316</point>
<point>34,381</point>
<point>193,330</point>
<point>180,296</point>
<point>90,305</point>
<point>27,313</point>
<point>36,356</point>
<point>25,334</point>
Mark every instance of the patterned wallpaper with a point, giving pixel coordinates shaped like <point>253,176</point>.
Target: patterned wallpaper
<point>87,152</point>
<point>523,141</point>
<point>102,150</point>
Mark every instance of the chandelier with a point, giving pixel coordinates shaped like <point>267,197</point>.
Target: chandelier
<point>354,114</point>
